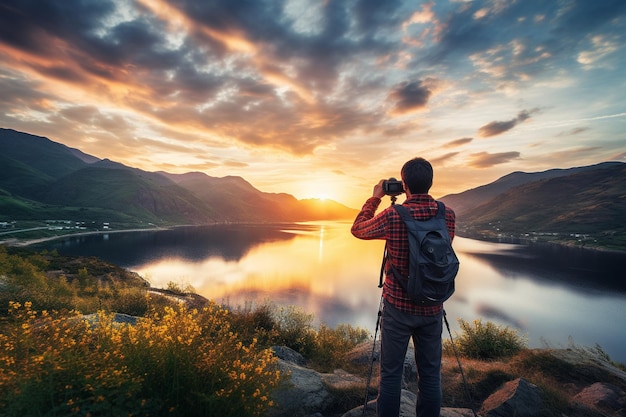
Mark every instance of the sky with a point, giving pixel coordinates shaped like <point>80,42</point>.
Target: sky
<point>321,98</point>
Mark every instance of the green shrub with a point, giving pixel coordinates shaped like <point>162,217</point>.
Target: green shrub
<point>258,322</point>
<point>331,345</point>
<point>485,341</point>
<point>295,329</point>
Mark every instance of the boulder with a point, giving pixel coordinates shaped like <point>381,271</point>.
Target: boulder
<point>289,355</point>
<point>304,394</point>
<point>517,398</point>
<point>601,397</point>
<point>407,407</point>
<point>456,412</point>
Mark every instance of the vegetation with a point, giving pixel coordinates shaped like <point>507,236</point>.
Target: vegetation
<point>62,352</point>
<point>485,341</point>
<point>182,362</point>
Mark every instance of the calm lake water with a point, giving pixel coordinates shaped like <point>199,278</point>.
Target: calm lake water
<point>553,295</point>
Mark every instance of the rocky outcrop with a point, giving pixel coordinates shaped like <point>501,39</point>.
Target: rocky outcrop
<point>602,397</point>
<point>515,398</point>
<point>312,394</point>
<point>303,395</point>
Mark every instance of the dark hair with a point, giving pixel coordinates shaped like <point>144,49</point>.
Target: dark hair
<point>417,175</point>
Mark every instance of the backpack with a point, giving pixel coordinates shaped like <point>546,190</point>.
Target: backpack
<point>433,265</point>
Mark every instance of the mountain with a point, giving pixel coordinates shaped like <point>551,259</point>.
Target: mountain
<point>42,179</point>
<point>233,197</point>
<point>587,201</point>
<point>469,200</point>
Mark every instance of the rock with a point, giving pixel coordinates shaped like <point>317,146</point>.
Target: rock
<point>601,397</point>
<point>289,355</point>
<point>407,407</point>
<point>313,394</point>
<point>361,355</point>
<point>516,398</point>
<point>592,362</point>
<point>456,412</point>
<point>341,380</point>
<point>118,318</point>
<point>370,411</point>
<point>303,395</point>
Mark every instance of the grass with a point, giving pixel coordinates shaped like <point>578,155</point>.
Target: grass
<point>480,340</point>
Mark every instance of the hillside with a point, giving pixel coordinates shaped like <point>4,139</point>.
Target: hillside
<point>233,197</point>
<point>42,179</point>
<point>586,204</point>
<point>469,200</point>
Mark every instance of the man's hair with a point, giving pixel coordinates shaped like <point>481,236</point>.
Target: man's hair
<point>417,175</point>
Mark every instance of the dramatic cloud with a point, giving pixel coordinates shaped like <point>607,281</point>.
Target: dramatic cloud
<point>497,128</point>
<point>409,97</point>
<point>275,89</point>
<point>486,159</point>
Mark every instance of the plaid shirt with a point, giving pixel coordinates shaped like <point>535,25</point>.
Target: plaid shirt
<point>388,225</point>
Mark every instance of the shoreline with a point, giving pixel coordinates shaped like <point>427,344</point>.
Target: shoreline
<point>530,242</point>
<point>16,242</point>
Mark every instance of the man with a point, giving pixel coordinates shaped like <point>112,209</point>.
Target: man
<point>402,318</point>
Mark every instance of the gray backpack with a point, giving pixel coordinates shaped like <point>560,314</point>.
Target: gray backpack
<point>433,265</point>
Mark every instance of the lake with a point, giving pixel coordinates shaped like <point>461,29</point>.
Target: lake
<point>553,295</point>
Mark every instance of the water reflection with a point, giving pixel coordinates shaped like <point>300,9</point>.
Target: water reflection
<point>548,293</point>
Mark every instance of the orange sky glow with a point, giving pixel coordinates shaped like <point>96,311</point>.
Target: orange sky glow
<point>321,99</point>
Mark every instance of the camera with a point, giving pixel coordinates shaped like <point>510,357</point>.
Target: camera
<point>392,187</point>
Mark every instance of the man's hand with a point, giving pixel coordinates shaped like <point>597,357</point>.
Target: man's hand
<point>378,190</point>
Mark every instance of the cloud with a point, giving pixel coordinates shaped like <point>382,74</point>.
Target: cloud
<point>486,159</point>
<point>575,131</point>
<point>458,142</point>
<point>518,41</point>
<point>410,96</point>
<point>236,69</point>
<point>443,158</point>
<point>499,127</point>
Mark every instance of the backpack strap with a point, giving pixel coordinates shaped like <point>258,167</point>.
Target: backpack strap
<point>441,210</point>
<point>406,217</point>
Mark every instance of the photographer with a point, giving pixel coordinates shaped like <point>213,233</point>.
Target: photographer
<point>403,318</point>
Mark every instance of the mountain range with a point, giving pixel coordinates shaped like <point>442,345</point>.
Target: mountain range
<point>41,179</point>
<point>559,204</point>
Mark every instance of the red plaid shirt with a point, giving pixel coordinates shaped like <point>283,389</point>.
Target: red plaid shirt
<point>388,225</point>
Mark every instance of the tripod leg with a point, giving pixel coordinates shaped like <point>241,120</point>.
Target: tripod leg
<point>458,361</point>
<point>369,375</point>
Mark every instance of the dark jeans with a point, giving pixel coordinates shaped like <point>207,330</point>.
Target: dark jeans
<point>396,330</point>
